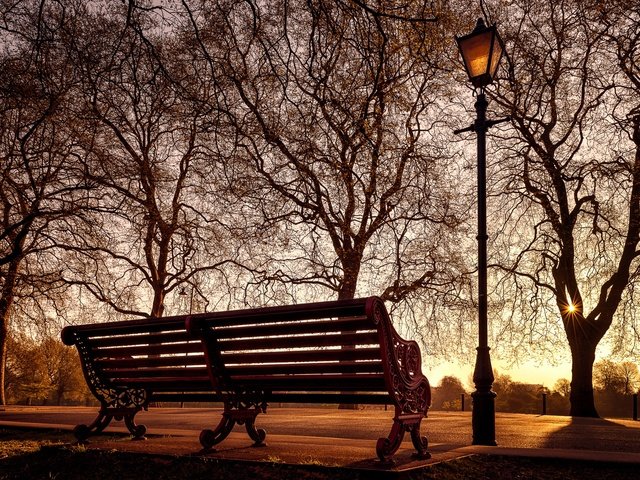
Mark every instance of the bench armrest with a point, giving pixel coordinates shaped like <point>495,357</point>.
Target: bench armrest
<point>402,363</point>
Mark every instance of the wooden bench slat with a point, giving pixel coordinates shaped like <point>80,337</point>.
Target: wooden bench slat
<point>129,327</point>
<point>314,382</point>
<point>159,387</point>
<point>155,372</point>
<point>326,355</point>
<point>141,339</point>
<point>176,383</point>
<point>294,328</point>
<point>186,397</point>
<point>169,360</point>
<point>330,309</point>
<point>381,398</point>
<point>302,368</point>
<point>302,341</point>
<point>154,349</point>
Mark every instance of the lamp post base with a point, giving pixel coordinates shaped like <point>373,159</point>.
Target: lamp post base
<point>483,416</point>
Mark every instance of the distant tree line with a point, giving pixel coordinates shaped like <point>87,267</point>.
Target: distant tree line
<point>44,372</point>
<point>615,383</point>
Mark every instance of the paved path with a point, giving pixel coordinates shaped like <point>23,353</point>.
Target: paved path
<point>347,438</point>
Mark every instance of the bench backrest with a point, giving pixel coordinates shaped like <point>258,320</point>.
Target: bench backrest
<point>154,354</point>
<point>326,348</point>
<point>344,351</point>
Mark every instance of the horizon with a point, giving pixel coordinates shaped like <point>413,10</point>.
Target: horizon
<point>529,373</point>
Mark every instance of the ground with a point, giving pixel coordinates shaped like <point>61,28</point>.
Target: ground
<point>39,454</point>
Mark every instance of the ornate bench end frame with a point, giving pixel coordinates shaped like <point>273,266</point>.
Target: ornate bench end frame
<point>408,387</point>
<point>115,403</point>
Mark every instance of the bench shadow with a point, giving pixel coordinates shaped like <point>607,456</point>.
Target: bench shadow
<point>398,463</point>
<point>597,434</point>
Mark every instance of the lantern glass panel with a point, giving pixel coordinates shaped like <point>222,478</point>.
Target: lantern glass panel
<point>496,55</point>
<point>475,51</point>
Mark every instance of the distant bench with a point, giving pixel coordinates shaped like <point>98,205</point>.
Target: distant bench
<point>341,352</point>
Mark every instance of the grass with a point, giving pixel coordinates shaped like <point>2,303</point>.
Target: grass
<point>49,455</point>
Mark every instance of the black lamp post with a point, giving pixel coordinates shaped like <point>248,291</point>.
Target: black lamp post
<point>481,52</point>
<point>183,294</point>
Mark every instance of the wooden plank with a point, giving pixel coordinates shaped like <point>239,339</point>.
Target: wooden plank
<point>381,398</point>
<point>155,349</point>
<point>130,327</point>
<point>306,368</point>
<point>178,383</point>
<point>155,372</point>
<point>174,387</point>
<point>346,383</point>
<point>308,311</point>
<point>166,361</point>
<point>294,328</point>
<point>320,355</point>
<point>186,397</point>
<point>302,341</point>
<point>140,339</point>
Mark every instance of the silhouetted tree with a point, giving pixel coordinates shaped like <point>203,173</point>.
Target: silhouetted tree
<point>159,225</point>
<point>563,387</point>
<point>614,377</point>
<point>446,396</point>
<point>41,187</point>
<point>570,180</point>
<point>330,112</point>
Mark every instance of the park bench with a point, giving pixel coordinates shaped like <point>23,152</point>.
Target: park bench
<point>340,352</point>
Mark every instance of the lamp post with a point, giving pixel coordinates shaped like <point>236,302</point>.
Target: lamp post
<point>183,294</point>
<point>481,51</point>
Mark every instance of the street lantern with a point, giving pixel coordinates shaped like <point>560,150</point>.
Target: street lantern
<point>183,294</point>
<point>481,52</point>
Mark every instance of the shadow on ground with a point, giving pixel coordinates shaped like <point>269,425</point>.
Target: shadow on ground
<point>594,434</point>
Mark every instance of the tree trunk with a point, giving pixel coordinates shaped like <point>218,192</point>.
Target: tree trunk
<point>348,292</point>
<point>6,299</point>
<point>3,356</point>
<point>157,309</point>
<point>581,396</point>
<point>349,284</point>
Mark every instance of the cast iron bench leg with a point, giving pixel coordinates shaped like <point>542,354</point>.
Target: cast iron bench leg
<point>257,434</point>
<point>420,443</point>
<point>137,431</point>
<point>105,415</point>
<point>209,438</point>
<point>82,432</point>
<point>240,413</point>
<point>386,447</point>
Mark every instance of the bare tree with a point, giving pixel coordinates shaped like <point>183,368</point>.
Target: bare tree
<point>331,114</point>
<point>630,377</point>
<point>571,178</point>
<point>145,134</point>
<point>39,183</point>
